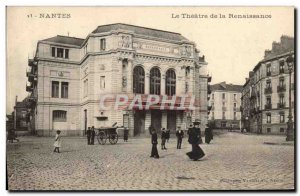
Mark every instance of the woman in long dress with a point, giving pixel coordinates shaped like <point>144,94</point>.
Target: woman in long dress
<point>194,140</point>
<point>57,143</point>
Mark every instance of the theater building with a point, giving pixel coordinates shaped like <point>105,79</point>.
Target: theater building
<point>68,77</point>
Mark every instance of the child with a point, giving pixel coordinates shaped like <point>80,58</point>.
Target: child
<point>57,143</point>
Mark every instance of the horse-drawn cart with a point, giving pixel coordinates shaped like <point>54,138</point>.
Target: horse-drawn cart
<point>108,133</point>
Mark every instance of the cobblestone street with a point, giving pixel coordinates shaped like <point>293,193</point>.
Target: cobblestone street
<point>233,161</point>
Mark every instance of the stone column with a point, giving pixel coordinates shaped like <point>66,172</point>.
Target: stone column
<point>147,82</point>
<point>147,121</point>
<point>131,123</point>
<point>164,119</point>
<point>163,84</point>
<point>129,76</point>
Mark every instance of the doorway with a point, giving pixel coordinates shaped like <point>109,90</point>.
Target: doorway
<point>171,121</point>
<point>156,119</point>
<point>139,123</point>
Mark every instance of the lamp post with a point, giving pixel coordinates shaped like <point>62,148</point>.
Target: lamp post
<point>290,129</point>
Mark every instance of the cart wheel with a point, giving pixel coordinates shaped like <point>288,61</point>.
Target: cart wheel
<point>113,138</point>
<point>101,137</point>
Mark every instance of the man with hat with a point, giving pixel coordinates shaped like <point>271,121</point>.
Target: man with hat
<point>179,135</point>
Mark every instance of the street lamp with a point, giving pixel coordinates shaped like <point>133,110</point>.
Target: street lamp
<point>290,129</point>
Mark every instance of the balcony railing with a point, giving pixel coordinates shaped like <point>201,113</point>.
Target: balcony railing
<point>281,88</point>
<point>268,90</point>
<point>268,106</point>
<point>268,73</point>
<point>280,105</point>
<point>224,108</point>
<point>235,109</point>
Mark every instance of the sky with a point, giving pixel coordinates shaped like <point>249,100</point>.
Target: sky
<point>232,46</point>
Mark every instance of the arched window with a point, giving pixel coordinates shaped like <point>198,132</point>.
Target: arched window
<point>138,80</point>
<point>170,82</point>
<point>155,81</point>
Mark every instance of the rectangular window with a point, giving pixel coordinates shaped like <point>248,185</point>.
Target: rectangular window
<point>268,69</point>
<point>282,118</point>
<point>268,130</point>
<point>59,116</point>
<point>268,84</point>
<point>223,116</point>
<point>268,118</point>
<point>212,96</point>
<point>53,51</point>
<point>213,115</point>
<point>281,67</point>
<point>281,82</point>
<point>234,115</point>
<point>60,52</point>
<point>281,130</point>
<point>234,105</point>
<point>281,99</point>
<point>223,95</point>
<point>234,96</point>
<point>85,88</point>
<point>102,44</point>
<point>55,89</point>
<point>64,89</point>
<point>66,53</point>
<point>269,100</point>
<point>102,82</point>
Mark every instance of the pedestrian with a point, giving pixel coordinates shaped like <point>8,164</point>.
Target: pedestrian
<point>88,134</point>
<point>126,134</point>
<point>179,135</point>
<point>194,140</point>
<point>57,143</point>
<point>163,139</point>
<point>168,135</point>
<point>208,134</point>
<point>154,151</point>
<point>12,135</point>
<point>93,133</point>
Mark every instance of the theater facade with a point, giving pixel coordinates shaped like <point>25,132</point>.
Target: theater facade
<point>69,76</point>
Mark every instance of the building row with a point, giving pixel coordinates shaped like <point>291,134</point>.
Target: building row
<point>68,76</point>
<point>265,95</point>
<point>225,102</point>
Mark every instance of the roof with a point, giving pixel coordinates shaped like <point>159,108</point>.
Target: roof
<point>140,31</point>
<point>65,40</point>
<point>226,87</point>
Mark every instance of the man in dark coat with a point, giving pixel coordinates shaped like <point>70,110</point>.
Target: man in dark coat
<point>154,151</point>
<point>163,139</point>
<point>194,140</point>
<point>93,133</point>
<point>126,134</point>
<point>88,135</point>
<point>179,135</point>
<point>208,134</point>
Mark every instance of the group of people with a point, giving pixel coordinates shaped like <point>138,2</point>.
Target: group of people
<point>11,135</point>
<point>194,138</point>
<point>91,133</point>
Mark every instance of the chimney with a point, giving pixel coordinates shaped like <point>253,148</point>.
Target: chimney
<point>251,73</point>
<point>267,53</point>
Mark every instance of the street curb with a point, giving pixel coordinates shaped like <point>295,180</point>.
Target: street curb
<point>283,143</point>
